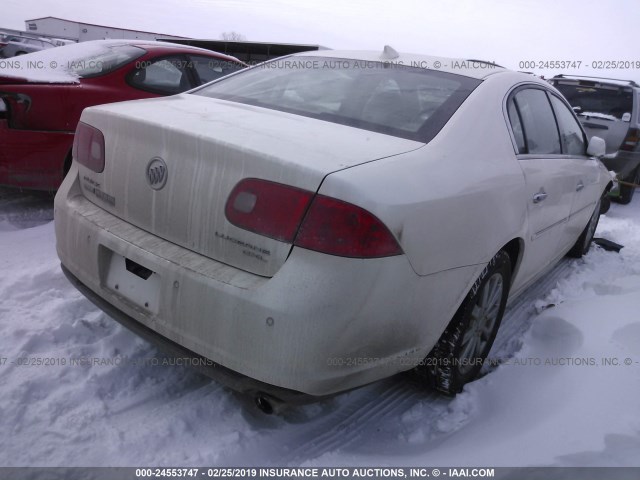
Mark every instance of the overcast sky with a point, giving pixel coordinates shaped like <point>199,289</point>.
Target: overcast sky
<point>503,31</point>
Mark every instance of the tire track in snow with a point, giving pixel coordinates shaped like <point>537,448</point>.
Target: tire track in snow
<point>520,314</point>
<point>300,434</point>
<point>24,209</point>
<point>361,416</point>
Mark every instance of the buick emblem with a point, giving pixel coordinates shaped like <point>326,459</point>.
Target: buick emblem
<point>157,173</point>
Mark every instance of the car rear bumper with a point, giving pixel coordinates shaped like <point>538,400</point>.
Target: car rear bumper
<point>32,159</point>
<point>320,325</point>
<point>234,380</point>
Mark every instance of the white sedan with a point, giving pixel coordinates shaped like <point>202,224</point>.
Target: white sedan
<point>329,219</point>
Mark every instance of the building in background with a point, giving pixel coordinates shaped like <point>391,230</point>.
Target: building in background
<point>61,31</point>
<point>81,32</point>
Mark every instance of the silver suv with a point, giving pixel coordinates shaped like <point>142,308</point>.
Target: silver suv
<point>609,109</point>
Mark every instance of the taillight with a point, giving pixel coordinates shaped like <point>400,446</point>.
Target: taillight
<point>631,140</point>
<point>340,228</point>
<point>88,147</point>
<point>267,208</point>
<point>325,224</point>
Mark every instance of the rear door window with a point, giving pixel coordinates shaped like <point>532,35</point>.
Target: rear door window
<point>538,121</point>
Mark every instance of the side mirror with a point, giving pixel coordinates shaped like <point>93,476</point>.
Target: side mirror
<point>626,117</point>
<point>577,110</point>
<point>597,147</point>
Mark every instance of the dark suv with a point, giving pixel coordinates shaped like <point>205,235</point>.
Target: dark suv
<point>609,109</point>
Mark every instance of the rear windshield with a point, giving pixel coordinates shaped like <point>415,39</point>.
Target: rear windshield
<point>403,101</point>
<point>103,61</point>
<point>608,102</point>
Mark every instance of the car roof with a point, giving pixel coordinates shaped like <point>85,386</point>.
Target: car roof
<point>59,56</point>
<point>467,67</point>
<point>190,48</point>
<point>151,44</point>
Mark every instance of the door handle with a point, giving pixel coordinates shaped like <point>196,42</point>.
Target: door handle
<point>580,186</point>
<point>540,196</point>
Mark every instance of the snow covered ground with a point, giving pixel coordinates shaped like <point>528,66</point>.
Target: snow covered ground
<point>564,397</point>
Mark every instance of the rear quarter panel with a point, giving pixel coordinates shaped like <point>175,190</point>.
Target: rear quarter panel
<point>48,108</point>
<point>40,165</point>
<point>456,201</point>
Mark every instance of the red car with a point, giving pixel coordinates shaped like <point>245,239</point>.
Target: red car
<point>43,94</point>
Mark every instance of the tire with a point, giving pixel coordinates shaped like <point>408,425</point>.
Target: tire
<point>463,347</point>
<point>626,191</point>
<point>583,244</point>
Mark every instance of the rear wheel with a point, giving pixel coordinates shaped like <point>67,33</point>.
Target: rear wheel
<point>627,191</point>
<point>582,245</point>
<point>463,347</point>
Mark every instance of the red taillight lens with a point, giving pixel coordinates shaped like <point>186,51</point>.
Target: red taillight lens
<point>267,208</point>
<point>631,140</point>
<point>340,228</point>
<point>330,226</point>
<point>88,147</point>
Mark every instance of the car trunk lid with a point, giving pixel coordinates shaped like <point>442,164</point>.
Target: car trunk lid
<point>207,146</point>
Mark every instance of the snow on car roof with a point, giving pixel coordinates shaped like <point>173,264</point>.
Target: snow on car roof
<point>470,68</point>
<point>52,65</point>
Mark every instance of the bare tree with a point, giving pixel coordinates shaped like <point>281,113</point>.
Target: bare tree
<point>233,37</point>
